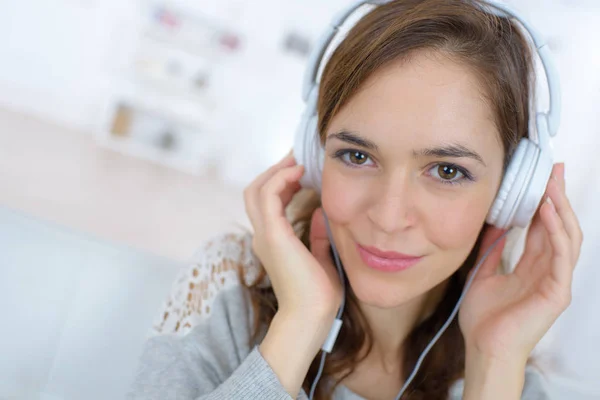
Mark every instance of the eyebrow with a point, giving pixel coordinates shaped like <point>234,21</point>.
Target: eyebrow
<point>454,150</point>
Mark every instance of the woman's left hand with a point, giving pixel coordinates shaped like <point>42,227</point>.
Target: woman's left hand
<point>503,316</point>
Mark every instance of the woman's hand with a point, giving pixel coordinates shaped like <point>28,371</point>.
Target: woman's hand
<point>306,284</point>
<point>503,317</point>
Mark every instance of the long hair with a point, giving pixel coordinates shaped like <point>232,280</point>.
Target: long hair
<point>493,49</point>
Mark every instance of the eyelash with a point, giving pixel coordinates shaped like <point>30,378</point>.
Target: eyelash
<point>466,174</point>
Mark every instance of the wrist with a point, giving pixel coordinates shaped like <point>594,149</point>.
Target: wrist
<point>313,315</point>
<point>491,378</point>
<point>306,330</point>
<point>290,345</point>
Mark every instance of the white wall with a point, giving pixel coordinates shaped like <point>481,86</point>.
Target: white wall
<point>56,56</point>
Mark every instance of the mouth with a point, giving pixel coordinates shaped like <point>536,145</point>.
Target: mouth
<point>386,261</point>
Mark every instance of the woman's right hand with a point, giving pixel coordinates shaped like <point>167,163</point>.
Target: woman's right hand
<point>306,283</point>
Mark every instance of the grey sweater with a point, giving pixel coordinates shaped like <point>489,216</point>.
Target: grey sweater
<point>199,346</point>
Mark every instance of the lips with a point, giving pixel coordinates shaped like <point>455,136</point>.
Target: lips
<point>387,254</point>
<point>386,261</point>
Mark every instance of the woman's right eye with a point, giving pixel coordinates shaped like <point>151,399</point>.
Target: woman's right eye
<point>353,158</point>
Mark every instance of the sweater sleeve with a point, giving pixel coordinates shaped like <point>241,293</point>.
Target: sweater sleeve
<point>199,348</point>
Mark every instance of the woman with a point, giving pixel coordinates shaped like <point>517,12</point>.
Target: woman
<point>420,110</point>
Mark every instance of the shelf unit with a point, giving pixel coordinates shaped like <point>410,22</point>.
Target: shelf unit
<point>163,108</point>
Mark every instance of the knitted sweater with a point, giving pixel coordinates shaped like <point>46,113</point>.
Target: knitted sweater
<point>199,346</point>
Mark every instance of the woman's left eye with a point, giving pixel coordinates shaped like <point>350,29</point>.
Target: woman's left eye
<point>353,158</point>
<point>447,174</point>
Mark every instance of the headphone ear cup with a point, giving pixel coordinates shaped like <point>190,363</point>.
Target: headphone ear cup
<point>309,152</point>
<point>307,144</point>
<point>315,156</point>
<point>512,184</point>
<point>537,184</point>
<point>301,148</point>
<point>534,192</point>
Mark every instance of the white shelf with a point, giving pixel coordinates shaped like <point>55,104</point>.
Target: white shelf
<point>165,90</point>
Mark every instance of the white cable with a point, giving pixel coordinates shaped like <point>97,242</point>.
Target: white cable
<point>338,319</point>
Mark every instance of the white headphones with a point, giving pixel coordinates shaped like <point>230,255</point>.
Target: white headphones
<point>530,167</point>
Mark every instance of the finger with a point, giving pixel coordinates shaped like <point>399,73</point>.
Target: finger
<point>558,173</point>
<point>567,216</point>
<point>319,241</point>
<point>251,193</point>
<point>492,262</point>
<point>285,162</point>
<point>538,247</point>
<point>275,195</point>
<point>561,254</point>
<point>537,250</point>
<point>320,244</point>
<point>537,241</point>
<point>318,230</point>
<point>572,225</point>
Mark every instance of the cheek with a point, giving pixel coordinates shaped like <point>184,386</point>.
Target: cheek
<point>459,224</point>
<point>341,197</point>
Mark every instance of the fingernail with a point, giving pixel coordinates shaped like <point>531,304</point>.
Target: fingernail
<point>287,157</point>
<point>549,201</point>
<point>554,174</point>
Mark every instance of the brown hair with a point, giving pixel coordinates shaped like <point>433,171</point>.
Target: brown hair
<point>500,57</point>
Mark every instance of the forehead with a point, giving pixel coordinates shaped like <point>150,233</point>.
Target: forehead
<point>426,98</point>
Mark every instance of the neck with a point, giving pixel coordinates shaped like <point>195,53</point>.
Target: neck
<point>391,326</point>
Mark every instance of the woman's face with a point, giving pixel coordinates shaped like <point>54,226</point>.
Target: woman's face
<point>413,162</point>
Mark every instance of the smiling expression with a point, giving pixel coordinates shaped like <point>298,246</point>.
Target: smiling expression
<point>413,163</point>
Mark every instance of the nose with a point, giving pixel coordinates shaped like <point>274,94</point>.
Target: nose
<point>392,209</point>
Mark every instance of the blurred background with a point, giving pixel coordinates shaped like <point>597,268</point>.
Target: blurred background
<point>128,130</point>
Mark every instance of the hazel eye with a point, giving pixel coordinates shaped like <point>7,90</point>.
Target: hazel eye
<point>450,174</point>
<point>358,158</point>
<point>353,158</point>
<point>447,172</point>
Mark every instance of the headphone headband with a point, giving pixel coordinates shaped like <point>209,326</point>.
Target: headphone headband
<point>552,78</point>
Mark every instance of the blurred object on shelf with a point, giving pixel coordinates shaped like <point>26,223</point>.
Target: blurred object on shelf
<point>295,42</point>
<point>165,109</point>
<point>158,137</point>
<point>187,29</point>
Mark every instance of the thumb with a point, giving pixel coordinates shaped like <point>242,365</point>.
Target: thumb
<point>492,262</point>
<point>319,241</point>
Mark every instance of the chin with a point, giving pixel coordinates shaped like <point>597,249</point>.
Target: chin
<point>384,290</point>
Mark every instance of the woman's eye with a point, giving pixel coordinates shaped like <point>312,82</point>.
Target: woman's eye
<point>354,157</point>
<point>447,173</point>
